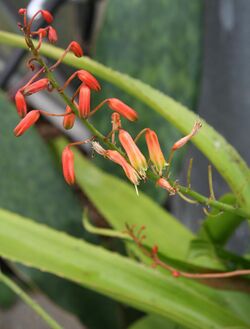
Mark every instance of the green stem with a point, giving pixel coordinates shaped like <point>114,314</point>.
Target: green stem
<point>29,301</point>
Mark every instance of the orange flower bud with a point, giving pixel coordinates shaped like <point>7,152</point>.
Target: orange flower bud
<point>84,102</point>
<point>120,107</point>
<point>68,165</point>
<point>135,156</point>
<point>42,32</point>
<point>20,104</point>
<point>22,11</point>
<point>26,122</point>
<point>154,150</point>
<point>47,16</point>
<point>36,86</point>
<point>128,169</point>
<point>76,49</point>
<point>181,142</point>
<point>52,35</point>
<point>89,80</point>
<point>69,119</point>
<point>162,182</point>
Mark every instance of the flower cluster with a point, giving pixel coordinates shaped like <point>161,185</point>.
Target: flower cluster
<point>135,165</point>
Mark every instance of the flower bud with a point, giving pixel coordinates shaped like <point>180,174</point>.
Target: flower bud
<point>120,107</point>
<point>128,169</point>
<point>47,16</point>
<point>181,142</point>
<point>76,49</point>
<point>162,182</point>
<point>89,80</point>
<point>68,165</point>
<point>52,35</point>
<point>22,11</point>
<point>135,156</point>
<point>98,148</point>
<point>20,104</point>
<point>69,119</point>
<point>84,102</point>
<point>36,86</point>
<point>154,150</point>
<point>26,122</point>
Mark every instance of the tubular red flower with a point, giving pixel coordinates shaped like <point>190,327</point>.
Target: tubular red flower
<point>88,79</point>
<point>52,35</point>
<point>181,142</point>
<point>47,16</point>
<point>163,183</point>
<point>84,102</point>
<point>155,152</point>
<point>68,165</point>
<point>135,156</point>
<point>120,107</point>
<point>76,49</point>
<point>26,122</point>
<point>69,119</point>
<point>128,169</point>
<point>20,104</point>
<point>36,86</point>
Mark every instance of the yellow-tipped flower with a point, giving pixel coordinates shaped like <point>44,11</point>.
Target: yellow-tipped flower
<point>155,152</point>
<point>135,156</point>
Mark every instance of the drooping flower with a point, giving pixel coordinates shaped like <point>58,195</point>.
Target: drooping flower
<point>163,183</point>
<point>89,80</point>
<point>155,152</point>
<point>20,104</point>
<point>135,156</point>
<point>52,35</point>
<point>84,102</point>
<point>69,119</point>
<point>68,165</point>
<point>128,169</point>
<point>118,106</point>
<point>26,122</point>
<point>36,86</point>
<point>98,148</point>
<point>76,49</point>
<point>47,16</point>
<point>181,142</point>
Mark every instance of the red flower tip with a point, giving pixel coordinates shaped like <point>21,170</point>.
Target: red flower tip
<point>76,49</point>
<point>20,104</point>
<point>89,80</point>
<point>36,86</point>
<point>42,32</point>
<point>163,183</point>
<point>69,119</point>
<point>47,16</point>
<point>26,122</point>
<point>122,108</point>
<point>68,165</point>
<point>52,35</point>
<point>135,156</point>
<point>154,150</point>
<point>22,11</point>
<point>84,102</point>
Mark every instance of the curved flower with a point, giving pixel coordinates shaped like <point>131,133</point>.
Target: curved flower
<point>126,111</point>
<point>68,165</point>
<point>135,156</point>
<point>26,122</point>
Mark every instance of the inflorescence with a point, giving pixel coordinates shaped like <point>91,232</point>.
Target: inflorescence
<point>132,161</point>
